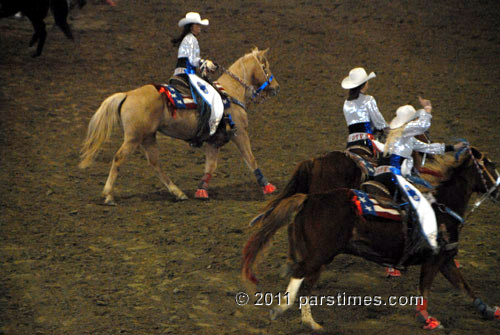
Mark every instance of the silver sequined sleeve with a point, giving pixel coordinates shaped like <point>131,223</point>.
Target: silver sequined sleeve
<point>418,126</point>
<point>376,117</point>
<point>430,148</point>
<point>190,48</point>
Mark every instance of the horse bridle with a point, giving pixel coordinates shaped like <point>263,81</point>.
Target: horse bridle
<point>255,92</point>
<point>268,81</point>
<point>482,170</point>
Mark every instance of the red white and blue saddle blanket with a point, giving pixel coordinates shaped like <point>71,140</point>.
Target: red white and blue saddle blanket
<point>365,166</point>
<point>180,101</point>
<point>368,206</point>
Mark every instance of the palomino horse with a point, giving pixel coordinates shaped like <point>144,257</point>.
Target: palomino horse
<point>143,112</point>
<point>322,226</point>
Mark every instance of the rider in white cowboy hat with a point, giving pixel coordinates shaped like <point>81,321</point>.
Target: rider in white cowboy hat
<point>188,56</point>
<point>396,164</point>
<point>188,61</point>
<point>361,111</point>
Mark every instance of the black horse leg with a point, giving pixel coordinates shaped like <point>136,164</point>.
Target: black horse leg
<point>60,11</point>
<point>454,276</point>
<point>33,39</point>
<point>40,35</point>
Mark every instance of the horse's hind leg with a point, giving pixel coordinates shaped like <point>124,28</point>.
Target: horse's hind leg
<point>304,305</point>
<point>151,148</point>
<point>60,10</point>
<point>129,146</point>
<point>291,295</point>
<point>287,268</point>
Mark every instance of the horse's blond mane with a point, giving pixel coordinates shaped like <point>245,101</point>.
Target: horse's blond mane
<point>439,168</point>
<point>253,53</point>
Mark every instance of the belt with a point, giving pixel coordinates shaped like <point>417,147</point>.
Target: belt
<point>383,169</point>
<point>359,136</point>
<point>179,70</point>
<point>386,169</point>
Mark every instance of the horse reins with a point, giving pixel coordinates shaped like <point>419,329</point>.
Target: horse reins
<point>479,164</point>
<point>481,169</point>
<point>255,92</point>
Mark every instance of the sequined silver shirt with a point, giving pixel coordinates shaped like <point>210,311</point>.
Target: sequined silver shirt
<point>363,109</point>
<point>190,48</point>
<point>407,143</point>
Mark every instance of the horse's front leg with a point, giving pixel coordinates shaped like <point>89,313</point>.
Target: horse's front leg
<point>450,270</point>
<point>211,154</point>
<point>40,34</point>
<point>242,141</point>
<point>428,272</point>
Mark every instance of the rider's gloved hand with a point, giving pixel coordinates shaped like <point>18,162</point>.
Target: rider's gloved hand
<point>207,65</point>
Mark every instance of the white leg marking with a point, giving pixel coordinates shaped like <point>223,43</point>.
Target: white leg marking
<point>292,290</point>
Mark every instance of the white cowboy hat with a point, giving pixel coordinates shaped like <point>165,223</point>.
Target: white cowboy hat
<point>193,17</point>
<point>403,114</point>
<point>357,76</point>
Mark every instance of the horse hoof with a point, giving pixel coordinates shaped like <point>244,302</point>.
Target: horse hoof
<point>432,323</point>
<point>317,328</point>
<point>201,194</point>
<point>496,314</point>
<point>275,313</point>
<point>110,203</point>
<point>268,189</point>
<point>181,197</point>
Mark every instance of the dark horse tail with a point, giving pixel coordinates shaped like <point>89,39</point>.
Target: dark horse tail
<point>299,183</point>
<point>282,215</point>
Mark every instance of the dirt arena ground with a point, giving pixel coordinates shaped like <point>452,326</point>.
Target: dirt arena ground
<point>155,266</point>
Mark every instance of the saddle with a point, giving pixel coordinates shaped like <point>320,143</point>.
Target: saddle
<point>367,165</point>
<point>179,96</point>
<point>380,206</point>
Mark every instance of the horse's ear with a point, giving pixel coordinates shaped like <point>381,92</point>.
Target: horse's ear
<point>262,54</point>
<point>476,153</point>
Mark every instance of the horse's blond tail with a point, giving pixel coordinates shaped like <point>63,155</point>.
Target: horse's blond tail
<point>100,127</point>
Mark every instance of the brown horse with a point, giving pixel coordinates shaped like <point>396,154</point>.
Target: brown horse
<point>143,112</point>
<point>322,226</point>
<point>337,169</point>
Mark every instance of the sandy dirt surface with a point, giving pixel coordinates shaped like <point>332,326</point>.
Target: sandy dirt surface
<point>155,266</point>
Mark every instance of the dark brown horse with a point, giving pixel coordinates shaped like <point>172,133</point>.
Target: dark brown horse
<point>322,226</point>
<point>36,11</point>
<point>337,169</point>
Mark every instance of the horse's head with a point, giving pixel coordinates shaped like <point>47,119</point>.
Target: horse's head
<point>260,73</point>
<point>487,176</point>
